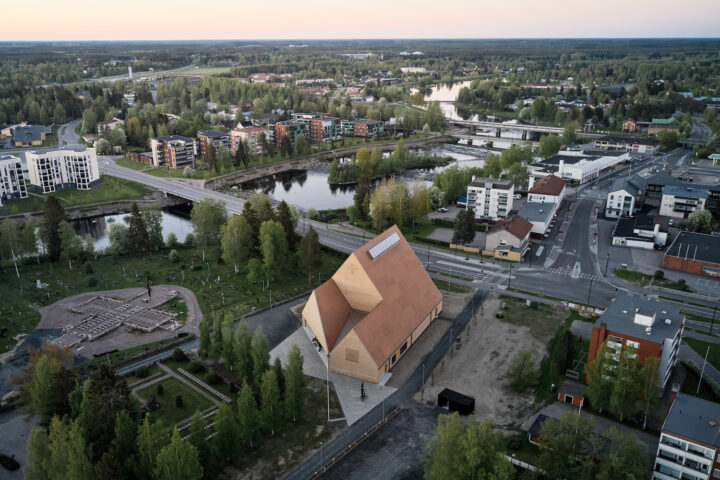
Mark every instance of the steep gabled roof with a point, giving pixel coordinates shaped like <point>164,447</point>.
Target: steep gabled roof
<point>518,227</point>
<point>549,185</point>
<point>334,310</point>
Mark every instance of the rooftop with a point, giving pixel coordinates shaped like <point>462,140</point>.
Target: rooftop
<point>518,227</point>
<point>630,140</point>
<point>550,185</point>
<point>29,133</point>
<point>696,246</point>
<point>537,212</point>
<point>482,182</point>
<point>212,133</point>
<point>694,419</point>
<point>170,138</point>
<point>632,185</point>
<point>620,318</point>
<point>688,192</point>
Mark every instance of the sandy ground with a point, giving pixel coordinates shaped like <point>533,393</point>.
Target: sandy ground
<point>58,316</point>
<point>478,368</point>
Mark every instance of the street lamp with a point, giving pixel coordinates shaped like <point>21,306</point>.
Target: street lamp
<point>509,275</point>
<point>713,319</point>
<point>589,290</point>
<point>607,262</point>
<point>322,464</point>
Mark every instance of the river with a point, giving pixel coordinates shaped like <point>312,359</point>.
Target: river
<point>446,95</point>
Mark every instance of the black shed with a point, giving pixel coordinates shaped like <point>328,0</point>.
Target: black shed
<point>456,402</point>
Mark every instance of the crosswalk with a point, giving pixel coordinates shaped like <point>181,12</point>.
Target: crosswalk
<point>569,272</point>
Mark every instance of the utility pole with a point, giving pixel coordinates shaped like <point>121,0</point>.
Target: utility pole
<point>703,370</point>
<point>713,319</point>
<point>607,262</point>
<point>589,290</point>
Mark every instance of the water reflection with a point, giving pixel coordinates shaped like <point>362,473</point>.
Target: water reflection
<point>446,94</point>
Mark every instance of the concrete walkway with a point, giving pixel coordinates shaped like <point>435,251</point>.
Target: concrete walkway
<point>191,384</point>
<point>143,386</point>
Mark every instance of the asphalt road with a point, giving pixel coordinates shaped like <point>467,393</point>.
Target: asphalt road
<point>68,137</point>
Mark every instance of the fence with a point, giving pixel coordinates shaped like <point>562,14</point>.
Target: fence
<point>207,387</point>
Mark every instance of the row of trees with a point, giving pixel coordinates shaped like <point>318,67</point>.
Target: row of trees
<point>395,202</point>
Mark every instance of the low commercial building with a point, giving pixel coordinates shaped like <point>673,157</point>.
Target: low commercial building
<point>509,241</point>
<point>211,137</point>
<point>625,197</point>
<point>62,169</point>
<point>288,128</point>
<point>255,137</point>
<point>579,166</point>
<point>550,190</point>
<point>373,309</point>
<point>658,125</point>
<point>319,128</point>
<point>629,143</point>
<point>12,179</point>
<point>109,125</point>
<point>173,151</point>
<point>647,328</point>
<point>680,202</point>
<point>540,215</point>
<point>641,231</point>
<point>689,446</point>
<point>695,253</point>
<point>491,199</point>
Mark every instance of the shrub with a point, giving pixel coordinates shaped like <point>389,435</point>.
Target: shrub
<point>92,282</point>
<point>173,256</point>
<point>189,241</point>
<point>213,378</point>
<point>159,389</point>
<point>514,443</point>
<point>172,241</point>
<point>89,268</point>
<point>142,372</point>
<point>179,401</point>
<point>659,274</point>
<point>178,355</point>
<point>313,214</point>
<point>195,367</point>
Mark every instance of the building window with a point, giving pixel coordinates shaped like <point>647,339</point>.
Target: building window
<point>632,344</point>
<point>403,348</point>
<point>716,473</point>
<point>352,355</point>
<point>393,359</point>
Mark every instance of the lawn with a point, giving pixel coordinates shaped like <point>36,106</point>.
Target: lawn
<point>451,287</point>
<point>134,164</point>
<point>701,348</point>
<point>542,321</point>
<point>217,287</point>
<point>168,412</point>
<point>644,279</point>
<point>110,189</point>
<point>690,384</point>
<point>175,305</point>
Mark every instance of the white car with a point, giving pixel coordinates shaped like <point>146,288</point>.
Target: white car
<point>517,196</point>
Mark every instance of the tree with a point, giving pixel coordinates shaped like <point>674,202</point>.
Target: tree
<point>207,217</point>
<point>549,146</point>
<point>59,448</point>
<point>523,371</point>
<point>262,207</point>
<point>205,340</point>
<point>420,204</point>
<point>123,447</point>
<point>274,247</point>
<point>567,440</point>
<point>109,468</point>
<point>72,245</point>
<point>103,147</point>
<point>79,465</point>
<point>301,145</point>
<point>42,390</point>
<point>668,140</point>
<point>309,251</point>
<point>625,387</point>
<point>210,156</point>
<point>53,214</point>
<point>623,457</point>
<point>237,241</point>
<point>361,190</point>
<point>600,379</point>
<point>648,389</point>
<point>569,135</point>
<point>138,239</point>
<point>243,368</point>
<point>493,166</point>
<point>38,453</point>
<point>285,217</point>
<point>294,385</point>
<point>217,342</point>
<point>29,238</point>
<point>150,440</point>
<point>700,221</point>
<point>178,460</point>
<point>260,353</point>
<point>226,431</point>
<point>248,417</point>
<point>286,146</point>
<point>270,410</point>
<point>152,216</point>
<point>228,341</point>
<point>197,434</point>
<point>466,449</point>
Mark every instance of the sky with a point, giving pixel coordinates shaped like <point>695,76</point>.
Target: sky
<point>40,20</point>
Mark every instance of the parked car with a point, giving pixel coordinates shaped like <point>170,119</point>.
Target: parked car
<point>517,196</point>
<point>442,210</point>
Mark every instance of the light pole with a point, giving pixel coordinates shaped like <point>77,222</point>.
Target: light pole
<point>607,262</point>
<point>589,290</point>
<point>509,275</point>
<point>327,385</point>
<point>713,319</point>
<point>322,464</point>
<point>428,257</point>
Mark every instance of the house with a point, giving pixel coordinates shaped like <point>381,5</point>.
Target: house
<point>572,393</point>
<point>549,189</point>
<point>29,135</point>
<point>173,151</point>
<point>509,241</point>
<point>630,143</point>
<point>540,215</point>
<point>580,166</point>
<point>373,309</point>
<point>254,136</point>
<point>641,231</point>
<point>129,98</point>
<point>89,139</point>
<point>662,125</point>
<point>211,137</point>
<point>695,253</point>
<point>318,128</point>
<point>413,70</point>
<point>491,199</point>
<point>109,125</point>
<point>629,125</point>
<point>62,169</point>
<point>689,445</point>
<point>290,128</point>
<point>625,197</point>
<point>649,328</point>
<point>12,179</point>
<point>680,202</point>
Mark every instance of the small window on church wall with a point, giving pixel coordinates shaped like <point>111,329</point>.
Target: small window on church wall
<point>352,355</point>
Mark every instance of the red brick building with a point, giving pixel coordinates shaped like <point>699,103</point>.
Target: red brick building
<point>293,129</point>
<point>213,137</point>
<point>629,125</point>
<point>695,253</point>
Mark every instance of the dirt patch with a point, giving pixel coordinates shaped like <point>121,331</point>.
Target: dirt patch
<point>453,303</point>
<point>479,366</point>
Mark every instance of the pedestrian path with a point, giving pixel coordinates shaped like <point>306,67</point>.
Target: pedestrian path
<point>569,272</point>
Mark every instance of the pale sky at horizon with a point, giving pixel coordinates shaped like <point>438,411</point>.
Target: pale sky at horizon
<point>42,20</point>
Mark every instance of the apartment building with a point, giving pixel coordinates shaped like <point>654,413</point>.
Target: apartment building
<point>625,197</point>
<point>62,169</point>
<point>362,128</point>
<point>173,151</point>
<point>12,179</point>
<point>680,202</point>
<point>318,127</point>
<point>491,199</point>
<point>254,136</point>
<point>211,137</point>
<point>689,446</point>
<point>290,128</point>
<point>651,329</point>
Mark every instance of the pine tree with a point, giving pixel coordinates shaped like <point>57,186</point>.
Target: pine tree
<point>280,375</point>
<point>260,355</point>
<point>228,341</point>
<point>217,344</point>
<point>210,157</point>
<point>137,231</point>
<point>284,216</point>
<point>226,432</point>
<point>123,447</point>
<point>309,251</point>
<point>205,340</point>
<point>362,189</point>
<point>248,416</point>
<point>294,385</point>
<point>270,410</point>
<point>53,214</point>
<point>177,461</point>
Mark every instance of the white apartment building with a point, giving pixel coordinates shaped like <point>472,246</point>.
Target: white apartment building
<point>624,198</point>
<point>491,199</point>
<point>61,169</point>
<point>680,202</point>
<point>578,165</point>
<point>12,179</point>
<point>689,442</point>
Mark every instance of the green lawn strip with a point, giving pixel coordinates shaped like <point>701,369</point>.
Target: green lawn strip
<point>120,355</point>
<point>450,287</point>
<point>699,318</point>
<point>168,412</point>
<point>133,164</point>
<point>132,378</point>
<point>444,274</point>
<point>548,297</point>
<point>701,348</point>
<point>204,375</point>
<point>644,279</point>
<point>19,298</point>
<point>690,385</point>
<point>175,305</point>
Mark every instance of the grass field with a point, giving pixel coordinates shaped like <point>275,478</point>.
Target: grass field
<point>450,287</point>
<point>542,321</point>
<point>701,348</point>
<point>176,305</point>
<point>200,71</point>
<point>690,387</point>
<point>168,412</point>
<point>644,279</point>
<point>134,164</point>
<point>110,189</point>
<point>19,298</point>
